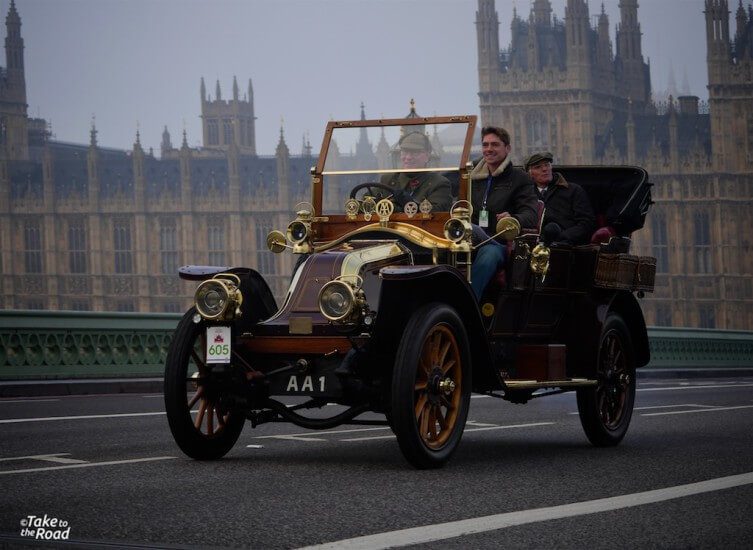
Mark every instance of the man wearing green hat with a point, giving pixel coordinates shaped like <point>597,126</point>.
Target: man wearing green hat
<point>415,150</point>
<point>568,215</point>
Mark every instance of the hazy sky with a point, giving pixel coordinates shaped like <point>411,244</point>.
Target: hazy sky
<point>139,62</point>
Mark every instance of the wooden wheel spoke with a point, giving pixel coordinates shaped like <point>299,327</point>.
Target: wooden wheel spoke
<point>447,366</point>
<point>441,418</point>
<point>436,339</point>
<point>432,423</point>
<point>420,404</point>
<point>443,352</point>
<point>210,420</point>
<point>196,397</point>
<point>446,403</point>
<point>420,385</point>
<point>199,362</point>
<point>618,359</point>
<point>424,423</point>
<point>200,415</point>
<point>424,363</point>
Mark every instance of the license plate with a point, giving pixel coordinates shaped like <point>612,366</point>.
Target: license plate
<point>218,344</point>
<point>322,384</point>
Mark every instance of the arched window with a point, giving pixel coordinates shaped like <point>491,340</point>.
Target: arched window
<point>33,247</point>
<point>702,243</point>
<point>537,132</point>
<point>168,245</point>
<point>659,242</point>
<point>216,241</point>
<point>121,237</point>
<point>77,249</point>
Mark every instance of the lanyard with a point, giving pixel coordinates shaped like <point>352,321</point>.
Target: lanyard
<point>486,193</point>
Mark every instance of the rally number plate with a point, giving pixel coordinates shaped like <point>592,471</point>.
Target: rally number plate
<point>218,345</point>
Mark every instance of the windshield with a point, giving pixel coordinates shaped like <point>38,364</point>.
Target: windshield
<point>414,161</point>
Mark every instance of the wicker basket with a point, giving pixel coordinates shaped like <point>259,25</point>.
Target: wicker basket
<point>616,271</point>
<point>645,274</point>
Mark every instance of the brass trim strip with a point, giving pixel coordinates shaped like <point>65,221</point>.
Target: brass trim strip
<point>355,260</point>
<point>414,234</point>
<point>390,171</point>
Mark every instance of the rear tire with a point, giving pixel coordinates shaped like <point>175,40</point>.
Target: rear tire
<point>431,386</point>
<point>202,423</point>
<point>605,410</point>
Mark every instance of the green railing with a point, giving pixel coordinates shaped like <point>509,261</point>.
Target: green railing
<point>700,348</point>
<point>67,344</point>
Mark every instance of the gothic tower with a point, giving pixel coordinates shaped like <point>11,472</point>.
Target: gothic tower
<point>631,69</point>
<point>730,65</point>
<point>578,40</point>
<point>227,122</point>
<point>14,136</point>
<point>487,33</point>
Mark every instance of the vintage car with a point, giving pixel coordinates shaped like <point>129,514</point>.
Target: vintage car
<point>380,316</point>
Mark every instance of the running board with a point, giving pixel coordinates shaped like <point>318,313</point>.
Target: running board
<point>534,384</point>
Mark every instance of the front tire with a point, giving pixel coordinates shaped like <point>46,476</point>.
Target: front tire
<point>606,409</point>
<point>202,423</point>
<point>431,386</point>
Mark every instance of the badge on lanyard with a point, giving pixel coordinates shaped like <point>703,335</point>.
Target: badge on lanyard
<point>483,214</point>
<point>483,218</point>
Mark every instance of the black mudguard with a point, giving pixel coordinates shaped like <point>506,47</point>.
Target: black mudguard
<point>405,288</point>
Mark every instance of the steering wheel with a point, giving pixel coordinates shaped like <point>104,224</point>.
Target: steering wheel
<point>371,185</point>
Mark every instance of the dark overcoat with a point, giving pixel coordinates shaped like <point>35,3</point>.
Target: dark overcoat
<point>567,204</point>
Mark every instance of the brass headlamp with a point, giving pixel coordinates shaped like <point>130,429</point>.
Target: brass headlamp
<point>458,228</point>
<point>219,298</point>
<point>299,232</point>
<point>341,301</point>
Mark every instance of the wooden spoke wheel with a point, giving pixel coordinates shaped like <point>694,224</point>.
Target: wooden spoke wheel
<point>431,386</point>
<point>606,409</point>
<point>202,423</point>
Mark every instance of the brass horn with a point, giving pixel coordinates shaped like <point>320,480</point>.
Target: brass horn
<point>508,228</point>
<point>276,241</point>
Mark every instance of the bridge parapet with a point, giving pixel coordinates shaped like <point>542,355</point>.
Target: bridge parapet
<point>691,347</point>
<point>72,344</point>
<point>65,344</point>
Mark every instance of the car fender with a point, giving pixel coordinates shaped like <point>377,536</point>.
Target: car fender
<point>628,307</point>
<point>405,288</point>
<point>258,301</point>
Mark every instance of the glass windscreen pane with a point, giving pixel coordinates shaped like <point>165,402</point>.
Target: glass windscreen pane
<point>412,159</point>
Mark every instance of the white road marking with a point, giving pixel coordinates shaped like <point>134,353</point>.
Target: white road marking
<point>699,387</point>
<point>684,405</point>
<point>81,417</point>
<point>254,446</point>
<point>307,434</point>
<point>3,401</point>
<point>52,457</point>
<point>372,438</point>
<point>532,424</point>
<point>453,529</point>
<point>61,460</point>
<point>87,465</point>
<point>671,406</point>
<point>700,410</point>
<point>485,428</point>
<point>475,423</point>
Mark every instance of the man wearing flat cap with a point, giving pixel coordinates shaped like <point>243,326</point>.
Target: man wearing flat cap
<point>568,215</point>
<point>415,150</point>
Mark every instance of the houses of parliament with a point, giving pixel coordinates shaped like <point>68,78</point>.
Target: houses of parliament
<point>83,227</point>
